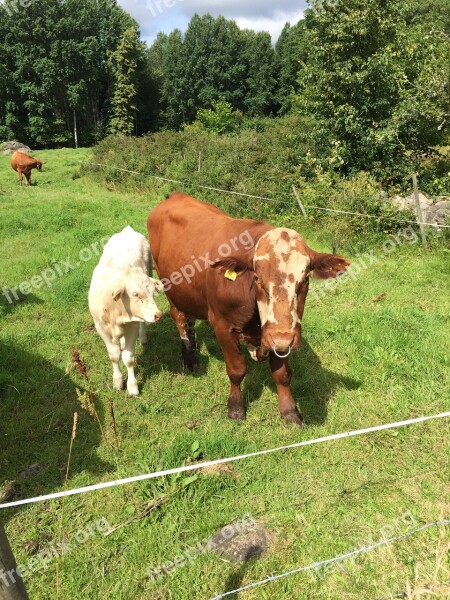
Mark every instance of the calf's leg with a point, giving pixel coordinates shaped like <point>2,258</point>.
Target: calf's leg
<point>131,334</point>
<point>143,334</point>
<point>281,373</point>
<point>114,356</point>
<point>186,329</point>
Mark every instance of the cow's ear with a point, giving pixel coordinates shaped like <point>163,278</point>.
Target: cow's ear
<point>325,266</point>
<point>235,265</point>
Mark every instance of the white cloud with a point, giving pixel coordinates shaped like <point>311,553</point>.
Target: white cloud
<point>154,16</point>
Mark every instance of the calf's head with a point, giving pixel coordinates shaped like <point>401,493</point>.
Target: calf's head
<point>134,290</point>
<point>39,164</point>
<point>282,266</point>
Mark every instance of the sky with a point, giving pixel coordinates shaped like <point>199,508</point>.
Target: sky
<point>154,16</point>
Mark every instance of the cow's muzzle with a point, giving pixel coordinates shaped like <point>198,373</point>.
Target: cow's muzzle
<point>282,344</point>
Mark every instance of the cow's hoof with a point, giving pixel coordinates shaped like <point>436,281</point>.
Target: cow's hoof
<point>294,417</point>
<point>190,367</point>
<point>237,414</point>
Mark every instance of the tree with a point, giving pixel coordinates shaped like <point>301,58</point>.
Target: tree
<point>260,82</point>
<point>54,78</point>
<point>364,83</point>
<point>124,65</point>
<point>290,54</point>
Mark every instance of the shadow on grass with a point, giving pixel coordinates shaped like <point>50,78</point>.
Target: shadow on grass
<point>8,302</point>
<point>37,402</point>
<point>163,351</point>
<point>312,385</point>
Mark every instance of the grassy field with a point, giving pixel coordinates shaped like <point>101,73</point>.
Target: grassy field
<point>375,350</point>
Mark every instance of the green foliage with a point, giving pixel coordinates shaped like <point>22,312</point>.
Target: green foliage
<point>260,162</point>
<point>376,88</point>
<point>291,53</point>
<point>213,60</point>
<point>124,62</point>
<point>54,67</point>
<point>360,194</point>
<point>219,119</point>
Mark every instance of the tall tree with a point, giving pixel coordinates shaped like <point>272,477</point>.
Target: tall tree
<point>124,62</point>
<point>260,82</point>
<point>54,57</point>
<point>362,83</point>
<point>290,54</point>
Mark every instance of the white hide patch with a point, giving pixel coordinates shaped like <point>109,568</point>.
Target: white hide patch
<point>287,259</point>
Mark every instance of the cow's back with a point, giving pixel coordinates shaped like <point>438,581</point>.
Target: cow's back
<point>185,232</point>
<point>21,159</point>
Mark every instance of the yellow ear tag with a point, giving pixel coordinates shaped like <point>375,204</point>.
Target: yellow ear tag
<point>231,275</point>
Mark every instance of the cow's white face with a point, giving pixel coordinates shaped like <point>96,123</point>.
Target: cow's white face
<point>281,265</point>
<point>137,292</point>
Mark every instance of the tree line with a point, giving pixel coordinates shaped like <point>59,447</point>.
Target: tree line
<point>372,75</point>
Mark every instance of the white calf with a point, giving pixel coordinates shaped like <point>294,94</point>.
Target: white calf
<point>121,300</point>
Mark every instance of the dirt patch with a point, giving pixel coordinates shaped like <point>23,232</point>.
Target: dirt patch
<point>249,541</point>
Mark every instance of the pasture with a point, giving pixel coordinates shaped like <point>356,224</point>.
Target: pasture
<point>375,350</point>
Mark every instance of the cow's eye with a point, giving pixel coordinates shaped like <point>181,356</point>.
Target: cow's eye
<point>135,294</point>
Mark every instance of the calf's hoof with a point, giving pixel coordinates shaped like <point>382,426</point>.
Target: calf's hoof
<point>293,416</point>
<point>118,384</point>
<point>133,390</point>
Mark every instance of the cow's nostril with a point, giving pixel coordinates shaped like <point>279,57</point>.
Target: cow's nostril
<point>282,341</point>
<point>158,315</point>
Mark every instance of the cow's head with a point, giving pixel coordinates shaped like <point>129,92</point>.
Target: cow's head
<point>39,164</point>
<point>283,264</point>
<point>135,289</point>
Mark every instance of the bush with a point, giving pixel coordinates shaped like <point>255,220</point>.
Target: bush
<point>263,162</point>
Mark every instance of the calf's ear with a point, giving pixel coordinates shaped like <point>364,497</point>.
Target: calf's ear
<point>159,286</point>
<point>325,266</point>
<point>117,292</point>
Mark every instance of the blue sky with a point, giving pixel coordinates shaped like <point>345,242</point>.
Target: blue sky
<point>165,15</point>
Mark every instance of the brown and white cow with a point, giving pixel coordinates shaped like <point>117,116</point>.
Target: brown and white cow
<point>249,279</point>
<point>23,163</point>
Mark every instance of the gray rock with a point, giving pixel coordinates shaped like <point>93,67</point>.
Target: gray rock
<point>11,147</point>
<point>408,202</point>
<point>438,213</point>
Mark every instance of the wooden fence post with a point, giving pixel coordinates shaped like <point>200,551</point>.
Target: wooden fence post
<point>11,585</point>
<point>200,161</point>
<point>419,211</point>
<point>302,208</point>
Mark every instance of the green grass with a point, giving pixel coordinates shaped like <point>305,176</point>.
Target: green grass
<point>362,363</point>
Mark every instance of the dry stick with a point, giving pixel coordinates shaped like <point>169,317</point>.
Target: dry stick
<point>81,366</point>
<point>113,420</point>
<point>72,438</point>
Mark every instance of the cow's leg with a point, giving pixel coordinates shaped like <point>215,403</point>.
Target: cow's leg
<point>236,370</point>
<point>114,356</point>
<point>131,334</point>
<point>143,334</point>
<point>28,177</point>
<point>186,329</point>
<point>19,172</point>
<point>281,373</point>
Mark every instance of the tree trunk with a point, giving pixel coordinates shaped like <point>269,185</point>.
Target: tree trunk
<point>75,130</point>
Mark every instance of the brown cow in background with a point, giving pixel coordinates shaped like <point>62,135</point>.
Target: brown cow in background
<point>23,163</point>
<point>248,278</point>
